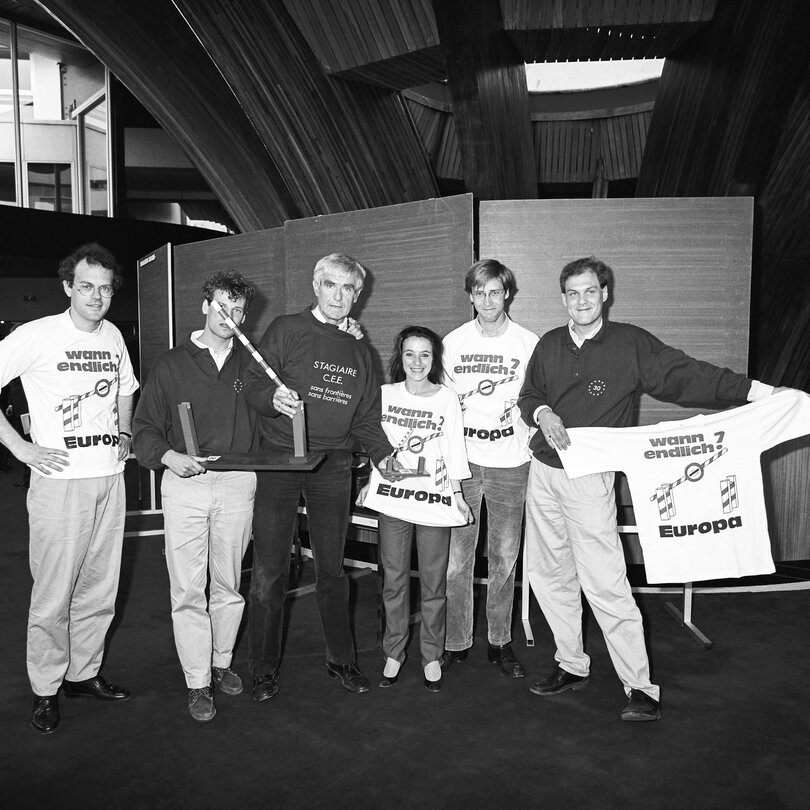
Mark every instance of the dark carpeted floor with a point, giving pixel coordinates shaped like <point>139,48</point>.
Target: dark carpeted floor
<point>734,734</point>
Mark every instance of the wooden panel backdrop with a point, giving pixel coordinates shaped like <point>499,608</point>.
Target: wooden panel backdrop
<point>258,256</point>
<point>682,269</point>
<point>416,255</point>
<point>155,307</point>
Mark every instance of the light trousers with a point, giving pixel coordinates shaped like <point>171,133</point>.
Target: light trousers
<point>573,547</point>
<point>208,520</point>
<point>432,547</point>
<point>76,535</point>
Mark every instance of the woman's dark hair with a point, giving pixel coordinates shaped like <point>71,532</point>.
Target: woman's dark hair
<point>396,370</point>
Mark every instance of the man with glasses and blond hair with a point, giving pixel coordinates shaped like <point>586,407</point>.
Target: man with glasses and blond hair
<point>79,383</point>
<point>485,362</point>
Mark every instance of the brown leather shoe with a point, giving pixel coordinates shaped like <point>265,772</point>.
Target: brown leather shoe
<point>433,686</point>
<point>45,718</point>
<point>97,688</point>
<point>558,682</point>
<point>201,704</point>
<point>265,687</point>
<point>450,657</point>
<point>641,707</point>
<point>350,676</point>
<point>505,659</point>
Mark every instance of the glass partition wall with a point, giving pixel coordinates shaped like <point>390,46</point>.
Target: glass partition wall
<point>53,124</point>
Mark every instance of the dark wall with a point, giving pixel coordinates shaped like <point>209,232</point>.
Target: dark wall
<point>33,242</point>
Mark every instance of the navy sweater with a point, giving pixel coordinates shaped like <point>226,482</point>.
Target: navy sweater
<point>596,385</point>
<point>334,376</point>
<point>187,373</point>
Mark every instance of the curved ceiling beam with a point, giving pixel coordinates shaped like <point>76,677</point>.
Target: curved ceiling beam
<point>339,146</point>
<point>487,80</point>
<point>560,31</point>
<point>722,100</point>
<point>142,41</point>
<point>394,44</point>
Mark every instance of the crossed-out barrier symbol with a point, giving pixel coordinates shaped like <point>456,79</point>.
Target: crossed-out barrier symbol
<point>71,411</point>
<point>694,472</point>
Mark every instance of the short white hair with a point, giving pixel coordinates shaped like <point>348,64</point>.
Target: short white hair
<point>342,262</point>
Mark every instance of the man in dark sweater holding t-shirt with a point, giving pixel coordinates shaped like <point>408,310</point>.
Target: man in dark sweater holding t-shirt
<point>588,374</point>
<point>321,363</point>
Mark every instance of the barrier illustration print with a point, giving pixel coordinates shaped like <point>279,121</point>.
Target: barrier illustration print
<point>71,405</point>
<point>485,388</point>
<point>693,473</point>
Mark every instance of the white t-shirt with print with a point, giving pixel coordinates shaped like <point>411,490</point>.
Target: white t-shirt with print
<point>429,428</point>
<point>697,485</point>
<point>487,374</point>
<point>72,380</point>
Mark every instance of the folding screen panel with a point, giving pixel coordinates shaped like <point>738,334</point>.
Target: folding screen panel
<point>258,256</point>
<point>682,269</point>
<point>155,307</point>
<point>416,253</point>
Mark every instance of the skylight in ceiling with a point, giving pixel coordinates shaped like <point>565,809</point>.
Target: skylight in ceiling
<point>549,77</point>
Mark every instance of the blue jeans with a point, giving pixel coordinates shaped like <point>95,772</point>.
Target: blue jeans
<point>505,491</point>
<point>327,494</point>
<point>396,538</point>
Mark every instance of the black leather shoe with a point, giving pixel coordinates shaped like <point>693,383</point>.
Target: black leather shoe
<point>641,707</point>
<point>350,676</point>
<point>505,659</point>
<point>433,686</point>
<point>265,687</point>
<point>558,682</point>
<point>450,657</point>
<point>96,688</point>
<point>45,718</point>
<point>388,681</point>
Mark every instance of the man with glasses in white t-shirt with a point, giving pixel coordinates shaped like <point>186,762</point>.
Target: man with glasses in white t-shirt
<point>485,361</point>
<point>79,383</point>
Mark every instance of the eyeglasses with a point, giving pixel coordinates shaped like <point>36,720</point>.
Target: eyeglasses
<point>86,288</point>
<point>493,295</point>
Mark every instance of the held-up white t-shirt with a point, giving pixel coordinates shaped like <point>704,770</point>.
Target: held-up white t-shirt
<point>697,485</point>
<point>72,380</point>
<point>429,428</point>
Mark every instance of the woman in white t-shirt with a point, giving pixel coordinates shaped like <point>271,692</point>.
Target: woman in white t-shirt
<point>422,419</point>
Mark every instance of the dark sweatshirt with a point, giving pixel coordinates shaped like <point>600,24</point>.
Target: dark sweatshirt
<point>334,376</point>
<point>596,385</point>
<point>187,373</point>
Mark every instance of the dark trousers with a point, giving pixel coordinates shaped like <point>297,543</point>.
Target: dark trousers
<point>327,494</point>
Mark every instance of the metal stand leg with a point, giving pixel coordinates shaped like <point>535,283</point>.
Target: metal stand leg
<point>525,593</point>
<point>685,618</point>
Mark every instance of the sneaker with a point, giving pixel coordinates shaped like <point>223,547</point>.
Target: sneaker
<point>641,707</point>
<point>201,704</point>
<point>226,680</point>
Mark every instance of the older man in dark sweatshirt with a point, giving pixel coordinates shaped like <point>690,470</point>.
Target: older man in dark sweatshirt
<point>323,365</point>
